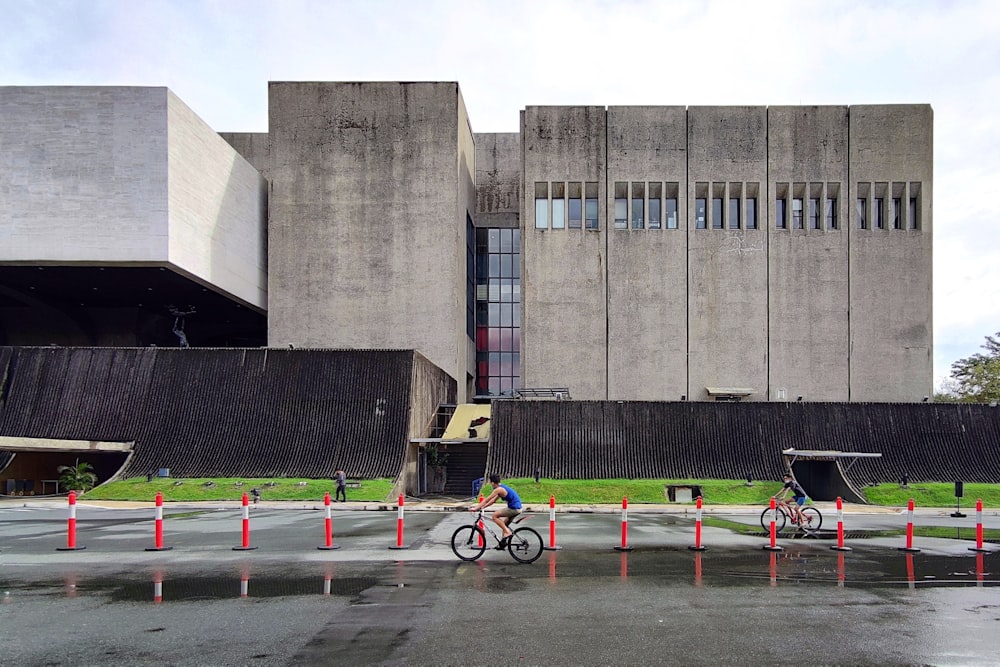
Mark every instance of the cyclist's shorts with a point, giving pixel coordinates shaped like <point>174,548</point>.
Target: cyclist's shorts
<point>508,512</point>
<point>801,501</point>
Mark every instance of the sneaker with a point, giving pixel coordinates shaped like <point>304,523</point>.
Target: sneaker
<point>504,542</point>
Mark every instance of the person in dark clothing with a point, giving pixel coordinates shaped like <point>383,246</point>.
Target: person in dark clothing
<point>798,495</point>
<point>341,479</point>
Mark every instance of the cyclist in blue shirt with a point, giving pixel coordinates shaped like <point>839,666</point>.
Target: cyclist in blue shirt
<point>502,517</point>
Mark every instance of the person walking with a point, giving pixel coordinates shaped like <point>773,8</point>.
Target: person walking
<point>341,479</point>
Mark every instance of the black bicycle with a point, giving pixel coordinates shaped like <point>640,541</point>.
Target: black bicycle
<point>469,542</point>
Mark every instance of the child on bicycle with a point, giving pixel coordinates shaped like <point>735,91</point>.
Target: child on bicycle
<point>502,517</point>
<point>798,495</point>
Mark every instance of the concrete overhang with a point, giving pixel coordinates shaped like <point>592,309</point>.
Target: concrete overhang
<point>15,444</point>
<point>728,391</point>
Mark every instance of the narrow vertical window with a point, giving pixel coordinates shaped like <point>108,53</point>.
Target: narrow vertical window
<point>751,213</point>
<point>558,205</point>
<point>879,213</point>
<point>912,216</point>
<point>780,220</point>
<point>699,212</point>
<point>541,205</point>
<point>814,221</point>
<point>575,205</point>
<point>716,212</point>
<point>862,217</point>
<point>654,195</point>
<point>670,213</point>
<point>621,205</point>
<point>897,213</point>
<point>734,213</point>
<point>638,208</point>
<point>831,213</point>
<point>591,207</point>
<point>796,213</point>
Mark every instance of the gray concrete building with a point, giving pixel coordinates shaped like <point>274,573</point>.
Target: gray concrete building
<point>617,253</point>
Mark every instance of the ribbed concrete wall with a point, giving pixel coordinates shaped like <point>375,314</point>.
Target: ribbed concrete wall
<point>227,412</point>
<point>592,440</point>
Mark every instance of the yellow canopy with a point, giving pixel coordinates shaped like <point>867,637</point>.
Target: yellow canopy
<point>461,422</point>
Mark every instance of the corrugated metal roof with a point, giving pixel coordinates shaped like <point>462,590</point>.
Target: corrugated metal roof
<point>707,440</point>
<point>218,412</point>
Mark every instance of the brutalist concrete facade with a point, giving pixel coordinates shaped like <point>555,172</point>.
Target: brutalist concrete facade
<point>667,253</point>
<point>372,185</point>
<point>770,286</point>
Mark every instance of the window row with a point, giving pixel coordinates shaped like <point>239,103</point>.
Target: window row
<point>645,205</point>
<point>733,205</point>
<point>888,206</point>
<point>560,205</point>
<point>806,206</point>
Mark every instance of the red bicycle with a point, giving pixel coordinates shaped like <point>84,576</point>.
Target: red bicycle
<point>785,514</point>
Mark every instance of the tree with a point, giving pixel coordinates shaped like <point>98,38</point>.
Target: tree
<point>976,379</point>
<point>79,477</point>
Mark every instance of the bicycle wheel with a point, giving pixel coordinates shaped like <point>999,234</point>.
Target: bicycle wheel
<point>812,519</point>
<point>468,542</point>
<point>779,520</point>
<point>525,545</point>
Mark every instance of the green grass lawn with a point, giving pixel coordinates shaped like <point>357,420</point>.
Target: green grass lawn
<point>566,491</point>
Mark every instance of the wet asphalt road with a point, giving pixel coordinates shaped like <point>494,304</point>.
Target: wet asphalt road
<point>287,602</point>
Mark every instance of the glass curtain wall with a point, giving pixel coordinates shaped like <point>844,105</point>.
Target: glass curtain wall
<point>498,311</point>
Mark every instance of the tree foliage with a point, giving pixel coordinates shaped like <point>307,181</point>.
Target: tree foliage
<point>79,477</point>
<point>976,379</point>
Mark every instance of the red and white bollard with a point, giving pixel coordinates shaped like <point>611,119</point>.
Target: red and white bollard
<point>552,525</point>
<point>479,524</point>
<point>328,526</point>
<point>399,525</point>
<point>909,529</point>
<point>840,527</point>
<point>71,526</point>
<point>697,528</point>
<point>979,528</point>
<point>157,587</point>
<point>158,539</point>
<point>246,526</point>
<point>624,545</point>
<point>773,531</point>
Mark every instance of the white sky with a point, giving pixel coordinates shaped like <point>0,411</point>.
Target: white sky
<point>218,55</point>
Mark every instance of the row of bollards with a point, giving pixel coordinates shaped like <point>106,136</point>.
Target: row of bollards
<point>71,544</point>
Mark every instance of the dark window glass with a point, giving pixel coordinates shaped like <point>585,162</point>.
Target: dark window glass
<point>897,213</point>
<point>879,214</point>
<point>734,213</point>
<point>862,217</point>
<point>913,213</point>
<point>752,213</point>
<point>575,213</point>
<point>780,222</point>
<point>700,212</point>
<point>717,213</point>
<point>638,220</point>
<point>592,214</point>
<point>814,214</point>
<point>831,213</point>
<point>654,213</point>
<point>671,213</point>
<point>796,213</point>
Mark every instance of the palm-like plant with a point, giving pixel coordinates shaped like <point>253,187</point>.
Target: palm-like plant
<point>79,477</point>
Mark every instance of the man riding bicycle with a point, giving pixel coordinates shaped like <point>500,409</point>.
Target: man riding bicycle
<point>798,494</point>
<point>502,517</point>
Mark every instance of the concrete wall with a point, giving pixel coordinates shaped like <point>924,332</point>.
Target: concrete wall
<point>563,273</point>
<point>891,281</point>
<point>83,174</point>
<point>727,269</point>
<point>217,209</point>
<point>498,179</point>
<point>647,268</point>
<point>367,222</point>
<point>808,268</point>
<point>255,147</point>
